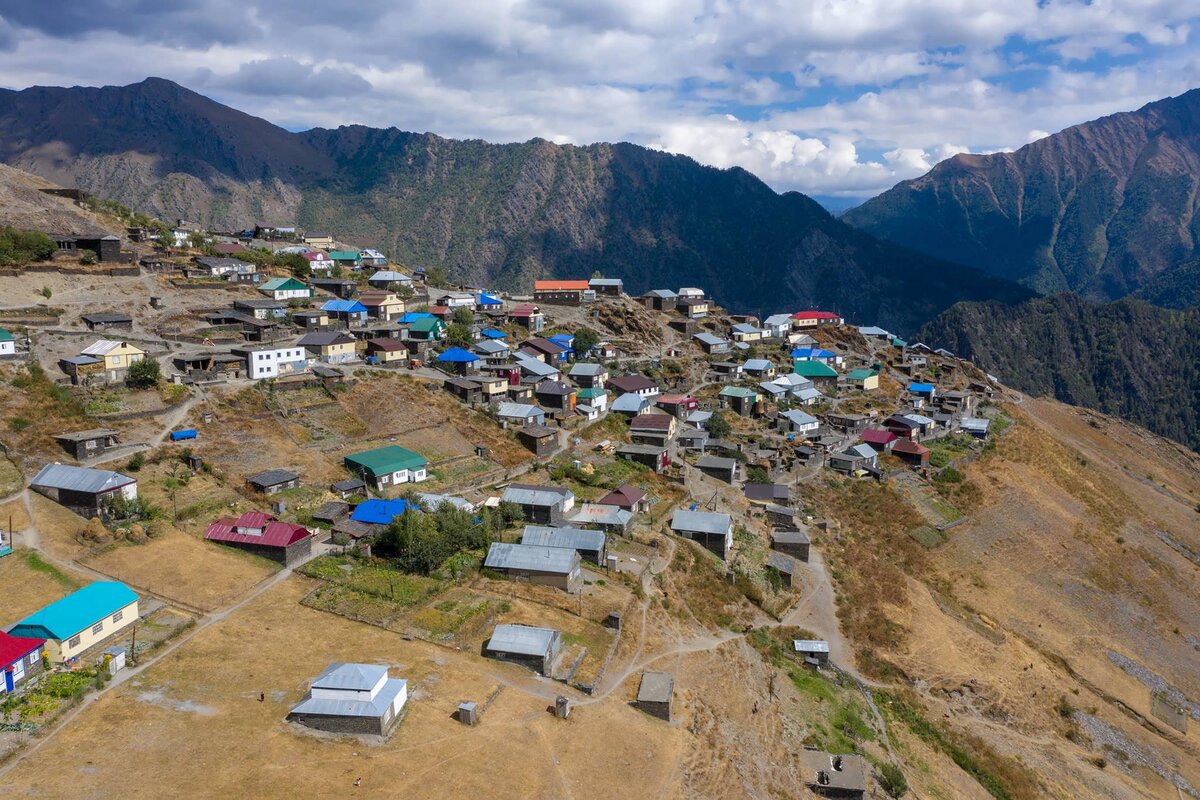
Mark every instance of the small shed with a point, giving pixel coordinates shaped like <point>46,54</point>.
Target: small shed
<point>541,440</point>
<point>273,481</point>
<point>725,469</point>
<point>654,694</point>
<point>795,543</point>
<point>527,645</point>
<point>815,651</point>
<point>88,444</point>
<point>784,565</point>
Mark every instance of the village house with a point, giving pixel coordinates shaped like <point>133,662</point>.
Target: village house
<point>386,350</point>
<point>912,453</point>
<point>723,469</point>
<point>541,440</point>
<point>529,316</point>
<point>659,299</point>
<point>83,445</point>
<point>8,344</point>
<point>588,375</point>
<point>692,307</point>
<point>318,262</point>
<point>777,326</point>
<point>352,699</point>
<point>86,491</point>
<point>854,459</point>
<point>813,651</point>
<point>468,391</point>
<point>811,319</point>
<point>925,425</point>
<point>331,347</point>
<point>20,660</point>
<point>773,392</point>
<point>745,332</point>
<point>555,396</point>
<point>492,351</point>
<point>262,534</point>
<point>520,414</point>
<point>692,439</point>
<point>81,620</point>
<point>654,695</point>
<point>112,359</point>
<point>311,319</point>
<point>766,493</point>
<point>863,379</point>
<point>601,517</point>
<point>348,488</point>
<point>273,481</point>
<point>879,440</point>
<point>544,350</point>
<point>610,287</point>
<point>390,281</point>
<point>387,466</point>
<point>370,257</point>
<point>631,405</point>
<point>759,368</point>
<point>654,456</point>
<point>531,647</point>
<point>677,405</point>
<point>379,512</point>
<point>231,269</point>
<point>784,566</point>
<point>381,305</point>
<point>730,371</point>
<point>820,373</point>
<point>338,287</point>
<point>629,498</point>
<point>595,398</point>
<point>285,289</point>
<point>349,312</point>
<point>261,308</point>
<point>739,399</point>
<point>456,360</point>
<point>347,259</point>
<point>921,393</point>
<point>533,370</point>
<point>903,427</point>
<point>319,239</point>
<point>633,384</point>
<point>589,544</point>
<point>652,428</point>
<point>711,530</point>
<point>540,504</point>
<point>546,566</point>
<point>426,329</point>
<point>713,345</point>
<point>107,321</point>
<point>976,426</point>
<point>562,293</point>
<point>270,361</point>
<point>456,300</point>
<point>794,543</point>
<point>850,424</point>
<point>834,776</point>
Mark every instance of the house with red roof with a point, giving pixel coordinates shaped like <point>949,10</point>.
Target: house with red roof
<point>811,319</point>
<point>563,293</point>
<point>260,533</point>
<point>20,660</point>
<point>318,261</point>
<point>628,497</point>
<point>911,452</point>
<point>880,440</point>
<point>528,316</point>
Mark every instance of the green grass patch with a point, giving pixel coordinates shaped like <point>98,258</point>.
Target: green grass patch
<point>928,537</point>
<point>36,563</point>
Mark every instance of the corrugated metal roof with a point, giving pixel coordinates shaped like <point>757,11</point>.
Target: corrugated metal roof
<point>656,687</point>
<point>81,609</point>
<point>601,514</point>
<point>375,707</point>
<point>572,538</point>
<point>810,645</point>
<point>80,479</point>
<point>354,677</point>
<point>701,521</point>
<point>272,477</point>
<point>525,495</point>
<point>522,640</point>
<point>537,558</point>
<point>519,410</point>
<point>630,402</point>
<point>790,537</point>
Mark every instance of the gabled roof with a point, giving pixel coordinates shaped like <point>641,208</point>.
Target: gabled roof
<point>860,374</point>
<point>662,294</point>
<point>538,368</point>
<point>814,369</point>
<point>877,437</point>
<point>456,355</point>
<point>337,306</point>
<point>819,315</point>
<point>700,521</point>
<point>909,447</point>
<point>81,609</point>
<point>777,319</point>
<point>272,477</point>
<point>630,402</point>
<point>386,344</point>
<point>106,317</point>
<point>491,347</point>
<point>717,462</point>
<point>14,648</point>
<point>555,388</point>
<point>103,346</point>
<point>812,352</point>
<point>797,417</point>
<point>743,327</point>
<point>862,451</point>
<point>601,514</point>
<point>652,422</point>
<point>353,677</point>
<point>625,495</point>
<point>739,391</point>
<point>584,368</point>
<point>539,558</point>
<point>390,458</point>
<point>390,275</point>
<point>6,336</point>
<point>325,338</point>
<point>920,388</point>
<point>709,339</point>
<point>379,512</point>
<point>774,492</point>
<point>630,383</point>
<point>80,479</point>
<point>523,310</point>
<point>519,410</point>
<point>344,255</point>
<point>758,364</point>
<point>282,284</point>
<point>529,495</point>
<point>493,333</point>
<point>273,532</point>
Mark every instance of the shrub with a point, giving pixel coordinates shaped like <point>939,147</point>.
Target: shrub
<point>46,292</point>
<point>949,475</point>
<point>136,462</point>
<point>144,374</point>
<point>87,257</point>
<point>892,780</point>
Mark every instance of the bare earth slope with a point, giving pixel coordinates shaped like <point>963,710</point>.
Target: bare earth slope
<point>23,206</point>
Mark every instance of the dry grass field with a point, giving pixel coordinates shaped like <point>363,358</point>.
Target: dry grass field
<point>37,584</point>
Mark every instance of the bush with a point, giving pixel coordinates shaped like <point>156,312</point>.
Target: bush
<point>19,247</point>
<point>144,374</point>
<point>87,257</point>
<point>892,780</point>
<point>136,463</point>
<point>46,292</point>
<point>949,475</point>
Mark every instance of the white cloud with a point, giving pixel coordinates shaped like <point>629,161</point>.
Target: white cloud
<point>826,96</point>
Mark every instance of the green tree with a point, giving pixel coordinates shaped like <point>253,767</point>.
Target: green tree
<point>87,256</point>
<point>585,340</point>
<point>46,292</point>
<point>435,275</point>
<point>294,263</point>
<point>458,334</point>
<point>18,247</point>
<point>718,425</point>
<point>892,780</point>
<point>144,374</point>
<point>463,316</point>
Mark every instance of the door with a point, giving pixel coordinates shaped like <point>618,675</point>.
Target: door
<point>8,680</point>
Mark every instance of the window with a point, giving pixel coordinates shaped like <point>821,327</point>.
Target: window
<point>116,361</point>
<point>117,617</point>
<point>99,626</point>
<point>35,658</point>
<point>73,641</point>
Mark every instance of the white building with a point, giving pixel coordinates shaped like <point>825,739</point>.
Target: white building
<point>352,698</point>
<point>274,362</point>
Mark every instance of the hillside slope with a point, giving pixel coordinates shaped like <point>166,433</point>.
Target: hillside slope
<point>1126,358</point>
<point>491,214</point>
<point>1102,209</point>
<point>24,206</point>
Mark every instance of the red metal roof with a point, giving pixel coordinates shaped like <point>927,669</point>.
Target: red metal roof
<point>274,533</point>
<point>316,256</point>
<point>873,436</point>
<point>652,422</point>
<point>523,310</point>
<point>625,497</point>
<point>815,315</point>
<point>910,447</point>
<point>676,400</point>
<point>14,648</point>
<point>560,286</point>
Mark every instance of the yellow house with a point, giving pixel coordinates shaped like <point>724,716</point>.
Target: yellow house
<point>382,305</point>
<point>863,379</point>
<point>331,347</point>
<point>117,356</point>
<point>321,240</point>
<point>81,620</point>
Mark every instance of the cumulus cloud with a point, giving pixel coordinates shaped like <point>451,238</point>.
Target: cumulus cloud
<point>826,96</point>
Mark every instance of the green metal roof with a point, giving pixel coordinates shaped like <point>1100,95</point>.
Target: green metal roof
<point>590,394</point>
<point>428,324</point>
<point>278,284</point>
<point>860,374</point>
<point>814,369</point>
<point>344,255</point>
<point>898,342</point>
<point>738,391</point>
<point>385,460</point>
<point>5,336</point>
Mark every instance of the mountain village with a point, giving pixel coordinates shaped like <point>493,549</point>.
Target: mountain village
<point>496,485</point>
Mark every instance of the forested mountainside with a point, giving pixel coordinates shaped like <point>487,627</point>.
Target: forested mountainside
<point>1104,209</point>
<point>493,214</point>
<point>1126,358</point>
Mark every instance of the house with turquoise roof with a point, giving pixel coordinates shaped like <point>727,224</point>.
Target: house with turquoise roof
<point>81,620</point>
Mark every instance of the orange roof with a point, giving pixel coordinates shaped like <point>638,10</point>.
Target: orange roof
<point>560,286</point>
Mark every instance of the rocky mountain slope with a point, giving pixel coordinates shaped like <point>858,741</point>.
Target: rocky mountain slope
<point>24,206</point>
<point>1105,209</point>
<point>1126,358</point>
<point>493,214</point>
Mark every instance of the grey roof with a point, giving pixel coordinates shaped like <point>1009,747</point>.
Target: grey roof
<point>665,294</point>
<point>692,433</point>
<point>975,424</point>
<point>526,495</point>
<point>642,449</point>
<point>716,462</point>
<point>862,451</point>
<point>572,538</point>
<point>583,368</point>
<point>630,402</point>
<point>272,477</point>
<point>758,364</point>
<point>807,393</point>
<point>522,640</point>
<point>491,347</point>
<point>538,368</point>
<point>656,687</point>
<point>108,316</point>
<point>709,339</point>
<point>353,677</point>
<point>600,514</point>
<point>375,707</point>
<point>699,416</point>
<point>797,417</point>
<point>772,388</point>
<point>790,537</point>
<point>606,282</point>
<point>79,479</point>
<point>533,557</point>
<point>435,500</point>
<point>82,360</point>
<point>390,275</point>
<point>521,410</point>
<point>538,431</point>
<point>321,338</point>
<point>701,521</point>
<point>83,436</point>
<point>766,491</point>
<point>348,485</point>
<point>811,645</point>
<point>778,319</point>
<point>783,563</point>
<point>920,419</point>
<point>743,327</point>
<point>871,330</point>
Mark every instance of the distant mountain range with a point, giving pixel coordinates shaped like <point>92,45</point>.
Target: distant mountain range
<point>498,215</point>
<point>1106,209</point>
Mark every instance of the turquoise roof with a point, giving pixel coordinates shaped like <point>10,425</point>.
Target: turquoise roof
<point>5,336</point>
<point>77,611</point>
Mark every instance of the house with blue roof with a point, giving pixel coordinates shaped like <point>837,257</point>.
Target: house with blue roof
<point>379,512</point>
<point>456,360</point>
<point>921,393</point>
<point>351,312</point>
<point>487,302</point>
<point>816,354</point>
<point>81,620</point>
<point>493,333</point>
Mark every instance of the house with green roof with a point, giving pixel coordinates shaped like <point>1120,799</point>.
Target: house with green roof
<point>815,371</point>
<point>285,289</point>
<point>388,466</point>
<point>81,620</point>
<point>347,258</point>
<point>865,379</point>
<point>8,343</point>
<point>428,329</point>
<point>739,399</point>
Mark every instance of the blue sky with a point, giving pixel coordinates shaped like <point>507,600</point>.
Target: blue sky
<point>830,97</point>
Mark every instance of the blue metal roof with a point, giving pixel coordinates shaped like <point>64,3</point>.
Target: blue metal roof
<point>492,333</point>
<point>456,355</point>
<point>75,612</point>
<point>488,300</point>
<point>344,306</point>
<point>413,316</point>
<point>811,352</point>
<point>564,340</point>
<point>920,388</point>
<point>379,512</point>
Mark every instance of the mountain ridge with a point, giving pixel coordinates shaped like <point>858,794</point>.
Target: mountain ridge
<point>491,214</point>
